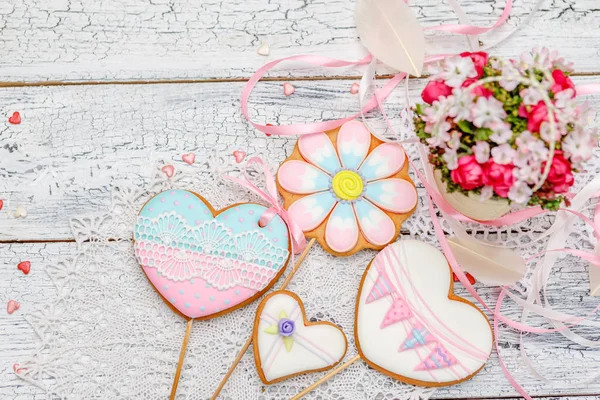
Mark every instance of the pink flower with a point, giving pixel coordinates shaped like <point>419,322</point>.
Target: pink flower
<point>468,174</point>
<point>536,115</point>
<point>561,175</point>
<point>500,177</point>
<point>434,90</point>
<point>478,90</point>
<point>561,82</point>
<point>479,58</point>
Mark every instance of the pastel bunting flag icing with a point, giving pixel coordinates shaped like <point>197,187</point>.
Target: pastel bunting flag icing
<point>438,358</point>
<point>399,311</point>
<point>381,287</point>
<point>419,336</point>
<point>203,262</point>
<point>347,188</point>
<point>286,344</point>
<point>407,324</point>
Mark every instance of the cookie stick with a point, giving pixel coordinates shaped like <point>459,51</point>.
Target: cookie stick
<point>326,377</point>
<point>186,338</point>
<point>249,341</point>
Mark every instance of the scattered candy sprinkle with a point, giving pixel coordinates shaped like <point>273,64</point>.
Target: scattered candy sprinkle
<point>20,212</point>
<point>189,158</point>
<point>12,306</point>
<point>168,170</point>
<point>24,266</point>
<point>263,50</point>
<point>288,89</point>
<point>15,119</point>
<point>355,87</point>
<point>239,156</point>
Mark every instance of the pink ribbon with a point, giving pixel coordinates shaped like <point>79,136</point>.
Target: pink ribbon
<point>298,240</point>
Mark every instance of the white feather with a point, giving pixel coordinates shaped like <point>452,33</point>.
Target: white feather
<point>391,33</point>
<point>492,265</point>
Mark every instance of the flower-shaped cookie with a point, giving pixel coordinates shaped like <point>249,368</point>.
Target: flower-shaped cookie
<point>347,188</point>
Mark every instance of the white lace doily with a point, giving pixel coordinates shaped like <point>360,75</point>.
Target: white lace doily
<point>108,335</point>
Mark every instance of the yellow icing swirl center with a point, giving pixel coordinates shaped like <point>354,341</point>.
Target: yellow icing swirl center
<point>347,185</point>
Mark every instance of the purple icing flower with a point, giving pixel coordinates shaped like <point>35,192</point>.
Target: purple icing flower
<point>286,326</point>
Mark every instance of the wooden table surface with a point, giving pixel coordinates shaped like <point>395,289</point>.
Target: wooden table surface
<point>104,86</point>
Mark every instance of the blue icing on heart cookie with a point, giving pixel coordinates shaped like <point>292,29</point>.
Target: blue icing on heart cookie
<point>204,264</point>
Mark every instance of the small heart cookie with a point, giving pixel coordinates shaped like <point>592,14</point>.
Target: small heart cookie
<point>286,344</point>
<point>410,325</point>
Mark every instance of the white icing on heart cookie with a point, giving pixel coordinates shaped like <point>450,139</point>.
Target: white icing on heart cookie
<point>286,344</point>
<point>409,324</point>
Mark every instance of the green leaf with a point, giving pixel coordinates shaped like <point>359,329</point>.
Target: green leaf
<point>465,126</point>
<point>288,341</point>
<point>272,330</point>
<point>483,134</point>
<point>419,109</point>
<point>282,314</point>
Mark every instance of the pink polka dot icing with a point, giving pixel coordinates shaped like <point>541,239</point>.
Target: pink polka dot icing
<point>204,265</point>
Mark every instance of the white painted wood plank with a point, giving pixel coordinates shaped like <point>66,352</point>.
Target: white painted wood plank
<point>560,359</point>
<point>75,142</point>
<point>186,39</point>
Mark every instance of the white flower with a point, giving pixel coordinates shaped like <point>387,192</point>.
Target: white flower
<point>546,132</point>
<point>502,132</point>
<point>531,96</point>
<point>528,173</point>
<point>460,108</point>
<point>520,193</point>
<point>439,134</point>
<point>540,59</point>
<point>509,75</point>
<point>486,193</point>
<point>451,159</point>
<point>487,111</point>
<point>503,154</point>
<point>482,152</point>
<point>564,98</point>
<point>530,149</point>
<point>579,146</point>
<point>456,70</point>
<point>437,111</point>
<point>454,142</point>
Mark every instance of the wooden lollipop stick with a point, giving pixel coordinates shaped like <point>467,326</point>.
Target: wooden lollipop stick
<point>186,338</point>
<point>325,378</point>
<point>249,341</point>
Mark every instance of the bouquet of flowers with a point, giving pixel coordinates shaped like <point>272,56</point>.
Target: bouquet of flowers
<point>505,130</point>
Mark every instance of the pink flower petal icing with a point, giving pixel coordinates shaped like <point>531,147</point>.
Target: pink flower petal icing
<point>353,142</point>
<point>384,161</point>
<point>310,211</point>
<point>376,226</point>
<point>341,231</point>
<point>318,150</point>
<point>394,195</point>
<point>300,177</point>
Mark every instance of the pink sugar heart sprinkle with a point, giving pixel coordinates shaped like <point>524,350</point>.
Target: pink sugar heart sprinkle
<point>15,118</point>
<point>1,204</point>
<point>168,170</point>
<point>12,306</point>
<point>24,266</point>
<point>17,369</point>
<point>189,158</point>
<point>239,156</point>
<point>355,87</point>
<point>288,89</point>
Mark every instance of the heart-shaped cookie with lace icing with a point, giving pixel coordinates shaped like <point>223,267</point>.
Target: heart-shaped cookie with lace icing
<point>204,262</point>
<point>286,344</point>
<point>411,326</point>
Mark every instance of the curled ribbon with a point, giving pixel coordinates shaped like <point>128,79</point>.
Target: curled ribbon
<point>298,240</point>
